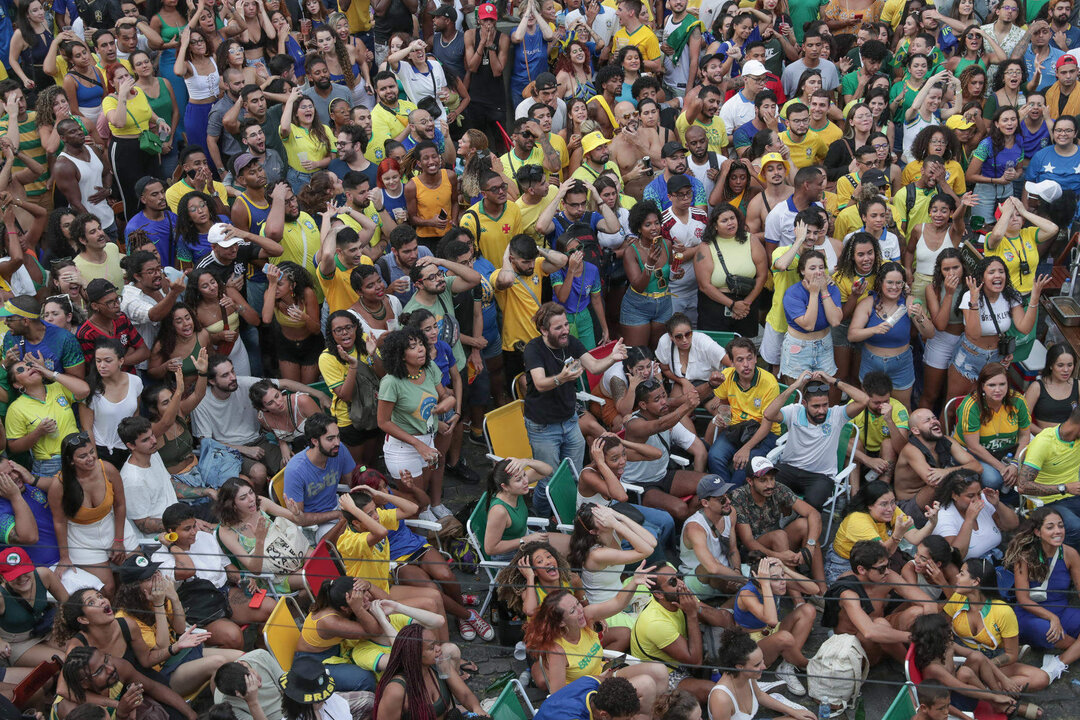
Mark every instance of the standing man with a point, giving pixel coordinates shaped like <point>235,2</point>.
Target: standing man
<point>546,93</point>
<point>703,163</point>
<point>312,476</point>
<point>553,363</point>
<point>106,320</point>
<point>634,32</point>
<point>486,53</point>
<point>657,191</point>
<point>780,222</point>
<point>221,144</point>
<point>806,148</point>
<point>83,178</point>
<point>766,117</point>
<point>740,108</point>
<point>22,134</point>
<point>195,174</point>
<point>390,118</point>
<point>630,147</point>
<point>449,43</point>
<point>396,266</point>
<point>682,225</point>
<point>705,113</point>
<point>811,59</point>
<point>681,47</point>
<point>295,231</point>
<point>351,140</point>
<point>251,104</point>
<point>340,251</point>
<point>573,199</point>
<point>321,89</point>
<point>155,218</point>
<point>143,300</point>
<point>1062,98</point>
<point>251,208</point>
<point>431,196</point>
<point>358,202</point>
<point>435,293</point>
<point>492,221</point>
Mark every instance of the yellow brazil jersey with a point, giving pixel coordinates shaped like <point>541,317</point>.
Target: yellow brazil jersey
<point>300,240</point>
<point>714,129</point>
<point>643,38</point>
<point>1057,460</point>
<point>847,221</point>
<point>847,283</point>
<point>337,287</point>
<point>585,657</point>
<point>512,163</point>
<point>494,232</point>
<point>873,427</point>
<point>828,134</point>
<point>861,526</point>
<point>25,412</point>
<point>359,15</point>
<point>806,152</point>
<point>386,124</point>
<point>920,207</point>
<point>1016,252</point>
<point>655,629</point>
<point>998,432</point>
<point>748,404</point>
<point>178,190</point>
<point>998,619</point>
<point>519,303</point>
<point>370,562</point>
<point>954,175</point>
<point>373,215</point>
<point>529,214</point>
<point>30,143</point>
<point>586,174</point>
<point>782,280</point>
<point>564,155</point>
<point>302,144</point>
<point>333,373</point>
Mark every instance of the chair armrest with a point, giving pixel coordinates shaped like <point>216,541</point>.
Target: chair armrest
<point>630,487</point>
<point>589,397</point>
<point>568,529</point>
<point>536,522</point>
<point>492,457</point>
<point>679,460</point>
<point>843,474</point>
<point>423,524</point>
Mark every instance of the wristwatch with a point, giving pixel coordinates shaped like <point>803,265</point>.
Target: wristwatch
<point>1061,489</point>
<point>811,542</point>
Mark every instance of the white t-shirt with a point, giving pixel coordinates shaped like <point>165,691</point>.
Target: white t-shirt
<point>419,85</point>
<point>705,356</point>
<point>889,244</point>
<point>107,415</point>
<point>603,27</point>
<point>137,306</point>
<point>206,556</point>
<point>984,538</point>
<point>689,234</point>
<point>676,75</point>
<point>147,491</point>
<point>736,112</point>
<point>232,420</point>
<point>701,172</point>
<point>611,241</point>
<point>558,121</point>
<point>1001,308</point>
<point>812,447</point>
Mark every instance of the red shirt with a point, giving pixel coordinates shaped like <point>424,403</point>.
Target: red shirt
<point>123,331</point>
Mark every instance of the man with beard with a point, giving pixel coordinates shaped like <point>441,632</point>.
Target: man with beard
<point>396,265</point>
<point>423,128</point>
<point>629,147</point>
<point>312,476</point>
<point>546,93</point>
<point>669,630</point>
<point>682,225</point>
<point>251,104</point>
<point>553,363</point>
<point>155,218</point>
<point>143,300</point>
<point>486,53</point>
<point>250,210</point>
<point>550,142</point>
<point>813,43</point>
<point>537,194</point>
<point>740,108</point>
<point>595,159</point>
<point>351,141</point>
<point>27,334</point>
<point>1065,35</point>
<point>674,157</point>
<point>1062,98</point>
<point>435,288</point>
<point>492,221</point>
<point>88,670</point>
<point>703,163</point>
<point>430,197</point>
<point>806,149</point>
<point>221,144</point>
<point>253,140</point>
<point>766,117</point>
<point>573,198</point>
<point>927,459</point>
<point>681,47</point>
<point>779,226</point>
<point>390,118</point>
<point>195,174</point>
<point>773,175</point>
<point>450,48</point>
<point>321,89</point>
<point>526,151</point>
<point>705,114</point>
<point>233,250</point>
<point>83,177</point>
<point>710,69</point>
<point>294,230</point>
<point>808,460</point>
<point>608,82</point>
<point>106,320</point>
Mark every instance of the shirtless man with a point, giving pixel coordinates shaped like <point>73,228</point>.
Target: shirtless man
<point>856,603</point>
<point>927,459</point>
<point>629,147</point>
<point>609,80</point>
<point>774,174</point>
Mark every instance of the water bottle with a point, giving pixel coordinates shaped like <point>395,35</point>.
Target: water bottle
<point>824,710</point>
<point>1066,287</point>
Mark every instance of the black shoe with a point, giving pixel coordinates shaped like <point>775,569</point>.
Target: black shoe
<point>465,473</point>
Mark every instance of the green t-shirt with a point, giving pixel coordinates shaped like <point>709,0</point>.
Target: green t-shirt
<point>850,82</point>
<point>443,307</point>
<point>414,405</point>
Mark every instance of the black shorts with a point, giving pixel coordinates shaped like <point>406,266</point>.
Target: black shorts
<point>664,484</point>
<point>353,437</point>
<point>299,352</point>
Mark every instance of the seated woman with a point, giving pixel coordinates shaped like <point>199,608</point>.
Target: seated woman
<point>1046,572</point>
<point>283,415</point>
<point>341,625</point>
<point>618,383</point>
<point>1056,391</point>
<point>873,515</point>
<point>26,610</point>
<point>972,517</point>
<point>934,654</point>
<point>690,360</point>
<point>994,425</point>
<point>982,621</point>
<point>178,344</point>
<point>596,547</point>
<point>246,519</point>
<point>737,695</point>
<point>89,512</point>
<point>535,571</point>
<point>566,638</point>
<point>599,483</point>
<point>414,654</point>
<point>934,567</point>
<point>508,512</point>
<point>150,606</point>
<point>756,610</point>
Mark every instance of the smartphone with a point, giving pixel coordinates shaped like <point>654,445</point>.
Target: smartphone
<point>191,174</point>
<point>266,267</point>
<point>614,663</point>
<point>442,214</point>
<point>257,599</point>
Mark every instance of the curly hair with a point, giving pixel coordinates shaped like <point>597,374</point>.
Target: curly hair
<point>966,76</point>
<point>845,264</point>
<point>66,624</point>
<point>999,77</point>
<point>396,343</point>
<point>734,649</point>
<point>546,626</point>
<point>1026,547</point>
<point>331,341</point>
<point>55,241</point>
<point>920,148</point>
<point>193,296</point>
<point>931,636</point>
<point>167,336</point>
<point>511,583</point>
<point>640,213</point>
<point>938,281</point>
<point>710,234</point>
<point>564,62</point>
<point>406,661</point>
<point>299,277</point>
<point>317,192</point>
<point>134,601</point>
<point>44,105</point>
<point>185,227</point>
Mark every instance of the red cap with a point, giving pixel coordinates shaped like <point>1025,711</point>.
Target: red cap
<point>15,562</point>
<point>487,11</point>
<point>1065,60</point>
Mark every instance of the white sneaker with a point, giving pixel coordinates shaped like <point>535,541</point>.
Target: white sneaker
<point>441,511</point>
<point>427,515</point>
<point>1053,667</point>
<point>786,672</point>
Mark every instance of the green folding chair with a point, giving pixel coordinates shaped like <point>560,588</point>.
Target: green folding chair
<point>562,492</point>
<point>903,705</point>
<point>512,704</point>
<point>722,338</point>
<point>474,531</point>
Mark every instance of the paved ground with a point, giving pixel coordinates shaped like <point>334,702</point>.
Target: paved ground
<point>1061,701</point>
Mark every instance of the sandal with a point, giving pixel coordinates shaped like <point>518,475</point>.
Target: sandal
<point>467,669</point>
<point>1026,711</point>
<point>808,560</point>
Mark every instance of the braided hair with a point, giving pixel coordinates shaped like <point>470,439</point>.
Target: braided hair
<point>405,661</point>
<point>76,670</point>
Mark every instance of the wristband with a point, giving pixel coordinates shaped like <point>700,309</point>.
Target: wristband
<point>171,653</point>
<point>119,539</point>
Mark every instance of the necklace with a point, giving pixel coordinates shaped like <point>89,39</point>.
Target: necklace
<point>379,314</point>
<point>417,376</point>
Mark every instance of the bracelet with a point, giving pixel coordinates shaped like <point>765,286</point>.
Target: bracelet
<point>973,307</point>
<point>171,653</point>
<point>119,539</point>
<point>202,374</point>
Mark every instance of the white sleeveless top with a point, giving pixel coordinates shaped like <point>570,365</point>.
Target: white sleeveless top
<point>90,172</point>
<point>925,258</point>
<point>203,87</point>
<point>737,712</point>
<point>602,584</point>
<point>688,562</point>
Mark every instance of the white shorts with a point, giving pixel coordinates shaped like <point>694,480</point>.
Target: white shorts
<point>771,343</point>
<point>403,456</point>
<point>941,349</point>
<point>90,544</point>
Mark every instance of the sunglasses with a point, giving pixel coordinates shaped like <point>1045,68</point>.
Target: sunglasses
<point>76,439</point>
<point>817,387</point>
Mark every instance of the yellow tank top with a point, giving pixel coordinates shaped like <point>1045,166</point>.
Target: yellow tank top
<point>430,201</point>
<point>585,657</point>
<point>234,323</point>
<point>284,320</point>
<point>737,257</point>
<point>311,634</point>
<point>91,515</point>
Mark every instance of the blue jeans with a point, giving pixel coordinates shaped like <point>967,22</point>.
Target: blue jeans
<point>662,526</point>
<point>347,677</point>
<point>297,180</point>
<point>550,444</point>
<point>723,450</point>
<point>1069,509</point>
<point>46,468</point>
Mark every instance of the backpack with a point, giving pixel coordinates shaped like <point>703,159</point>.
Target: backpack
<point>837,671</point>
<point>364,408</point>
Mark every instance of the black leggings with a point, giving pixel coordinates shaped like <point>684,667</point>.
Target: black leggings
<point>129,165</point>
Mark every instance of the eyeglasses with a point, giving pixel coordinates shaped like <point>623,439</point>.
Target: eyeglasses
<point>76,439</point>
<point>152,270</point>
<point>343,330</point>
<point>110,303</point>
<point>434,276</point>
<point>880,146</point>
<point>497,188</point>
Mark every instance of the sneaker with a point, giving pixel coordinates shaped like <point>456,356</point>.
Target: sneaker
<point>1023,651</point>
<point>427,516</point>
<point>466,630</point>
<point>481,626</point>
<point>1053,667</point>
<point>440,511</point>
<point>476,438</point>
<point>465,473</point>
<point>470,600</point>
<point>786,672</point>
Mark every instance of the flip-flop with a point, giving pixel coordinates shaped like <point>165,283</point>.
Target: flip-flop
<point>467,669</point>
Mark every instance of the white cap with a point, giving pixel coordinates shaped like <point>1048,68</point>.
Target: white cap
<point>1048,190</point>
<point>217,236</point>
<point>753,67</point>
<point>760,465</point>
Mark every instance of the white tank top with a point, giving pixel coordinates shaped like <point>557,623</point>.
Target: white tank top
<point>925,258</point>
<point>603,584</point>
<point>688,562</point>
<point>737,713</point>
<point>202,87</point>
<point>90,179</point>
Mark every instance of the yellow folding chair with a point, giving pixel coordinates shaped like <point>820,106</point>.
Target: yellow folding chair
<point>282,631</point>
<point>504,431</point>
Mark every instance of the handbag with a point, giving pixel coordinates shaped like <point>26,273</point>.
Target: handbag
<point>149,141</point>
<point>203,603</point>
<point>285,548</point>
<point>631,512</point>
<point>738,286</point>
<point>364,408</point>
<point>1006,344</point>
<point>740,433</point>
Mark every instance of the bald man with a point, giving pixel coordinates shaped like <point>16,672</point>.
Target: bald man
<point>927,458</point>
<point>631,145</point>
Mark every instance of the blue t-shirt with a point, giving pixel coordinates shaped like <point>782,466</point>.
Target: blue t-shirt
<point>1048,164</point>
<point>995,162</point>
<point>162,232</point>
<point>562,223</point>
<point>1048,66</point>
<point>339,167</point>
<point>530,59</point>
<point>571,702</point>
<point>403,541</point>
<point>582,287</point>
<point>59,347</point>
<point>796,299</point>
<point>488,306</point>
<point>1032,142</point>
<point>444,358</point>
<point>656,191</point>
<point>744,134</point>
<point>314,486</point>
<point>45,551</point>
<point>408,143</point>
<point>195,253</point>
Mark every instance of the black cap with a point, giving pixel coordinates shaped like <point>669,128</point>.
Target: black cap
<point>875,177</point>
<point>446,11</point>
<point>677,183</point>
<point>99,288</point>
<point>136,568</point>
<point>670,148</point>
<point>546,81</point>
<point>703,61</point>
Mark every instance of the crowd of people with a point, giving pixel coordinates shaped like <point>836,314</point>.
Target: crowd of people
<point>764,277</point>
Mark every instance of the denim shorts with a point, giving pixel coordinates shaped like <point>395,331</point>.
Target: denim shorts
<point>970,360</point>
<point>839,335</point>
<point>941,349</point>
<point>641,310</point>
<point>900,368</point>
<point>797,355</point>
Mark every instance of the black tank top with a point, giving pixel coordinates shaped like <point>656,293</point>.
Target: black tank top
<point>1049,410</point>
<point>484,87</point>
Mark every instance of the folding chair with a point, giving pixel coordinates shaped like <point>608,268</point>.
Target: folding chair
<point>282,631</point>
<point>948,415</point>
<point>504,431</point>
<point>35,681</point>
<point>599,353</point>
<point>562,492</point>
<point>512,703</point>
<point>721,338</point>
<point>903,705</point>
<point>474,530</point>
<point>325,563</point>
